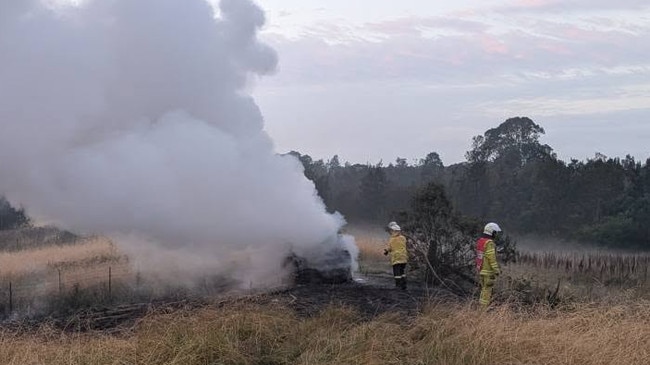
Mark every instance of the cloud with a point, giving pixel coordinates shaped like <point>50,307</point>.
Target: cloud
<point>418,26</point>
<point>442,49</point>
<point>556,6</point>
<point>473,68</point>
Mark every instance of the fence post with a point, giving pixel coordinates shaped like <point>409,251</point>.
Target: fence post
<point>11,298</point>
<point>60,287</point>
<point>110,279</point>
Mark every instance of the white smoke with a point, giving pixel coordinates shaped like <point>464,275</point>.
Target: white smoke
<point>131,118</point>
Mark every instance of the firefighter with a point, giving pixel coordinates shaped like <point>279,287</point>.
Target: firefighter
<point>486,262</point>
<point>396,248</point>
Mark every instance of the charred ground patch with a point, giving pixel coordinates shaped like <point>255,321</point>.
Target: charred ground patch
<point>368,299</point>
<point>371,298</point>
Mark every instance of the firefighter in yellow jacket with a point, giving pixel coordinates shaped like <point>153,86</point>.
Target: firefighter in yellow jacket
<point>396,248</point>
<point>486,262</point>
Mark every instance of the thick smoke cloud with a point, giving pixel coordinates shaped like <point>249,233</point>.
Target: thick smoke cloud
<point>131,118</point>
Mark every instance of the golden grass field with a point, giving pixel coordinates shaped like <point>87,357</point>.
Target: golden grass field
<point>37,273</point>
<point>443,334</point>
<point>91,251</point>
<point>612,332</point>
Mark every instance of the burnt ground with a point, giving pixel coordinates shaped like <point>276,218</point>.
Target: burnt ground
<point>371,296</point>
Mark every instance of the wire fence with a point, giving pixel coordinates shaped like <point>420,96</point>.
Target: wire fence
<point>33,293</point>
<point>45,271</point>
<point>58,291</point>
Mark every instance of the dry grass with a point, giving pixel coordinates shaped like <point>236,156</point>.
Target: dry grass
<point>604,266</point>
<point>371,257</point>
<point>616,333</point>
<point>19,263</point>
<point>41,271</point>
<point>590,276</point>
<point>444,334</point>
<point>371,248</point>
<point>38,273</point>
<point>370,241</point>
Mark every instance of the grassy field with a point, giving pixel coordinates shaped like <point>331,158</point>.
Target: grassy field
<point>443,334</point>
<point>612,327</point>
<point>91,252</point>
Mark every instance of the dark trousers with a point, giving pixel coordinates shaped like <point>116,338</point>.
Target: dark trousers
<point>400,276</point>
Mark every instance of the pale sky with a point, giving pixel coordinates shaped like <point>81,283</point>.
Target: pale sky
<point>378,79</point>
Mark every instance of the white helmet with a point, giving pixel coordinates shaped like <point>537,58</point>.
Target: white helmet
<point>393,226</point>
<point>491,228</point>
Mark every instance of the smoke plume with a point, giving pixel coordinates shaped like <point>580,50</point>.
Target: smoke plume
<point>131,118</point>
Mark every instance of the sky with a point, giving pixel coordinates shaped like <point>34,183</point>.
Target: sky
<point>373,80</point>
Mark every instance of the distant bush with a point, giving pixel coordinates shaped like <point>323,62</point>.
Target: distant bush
<point>10,217</point>
<point>614,231</point>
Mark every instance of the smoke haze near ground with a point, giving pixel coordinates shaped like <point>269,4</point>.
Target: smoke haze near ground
<point>132,118</point>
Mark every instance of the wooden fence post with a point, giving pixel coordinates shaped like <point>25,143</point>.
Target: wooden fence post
<point>110,279</point>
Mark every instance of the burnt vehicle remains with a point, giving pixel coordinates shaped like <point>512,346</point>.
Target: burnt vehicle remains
<point>332,265</point>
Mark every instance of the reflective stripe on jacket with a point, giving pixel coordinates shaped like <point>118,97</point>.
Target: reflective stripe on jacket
<point>397,249</point>
<point>486,257</point>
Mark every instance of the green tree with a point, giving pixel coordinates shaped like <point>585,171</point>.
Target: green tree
<point>497,183</point>
<point>516,138</point>
<point>334,163</point>
<point>401,163</point>
<point>431,167</point>
<point>442,240</point>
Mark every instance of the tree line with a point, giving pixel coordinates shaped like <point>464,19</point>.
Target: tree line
<point>509,176</point>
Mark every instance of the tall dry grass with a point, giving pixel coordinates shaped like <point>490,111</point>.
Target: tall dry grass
<point>25,262</point>
<point>371,248</point>
<point>371,257</point>
<point>444,334</point>
<point>606,266</point>
<point>32,277</point>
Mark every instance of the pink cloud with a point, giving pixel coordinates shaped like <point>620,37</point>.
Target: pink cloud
<point>571,5</point>
<point>535,3</point>
<point>402,26</point>
<point>555,48</point>
<point>472,50</point>
<point>414,25</point>
<point>493,45</point>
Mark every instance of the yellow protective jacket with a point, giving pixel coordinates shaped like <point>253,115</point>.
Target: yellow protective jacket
<point>490,266</point>
<point>397,249</point>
